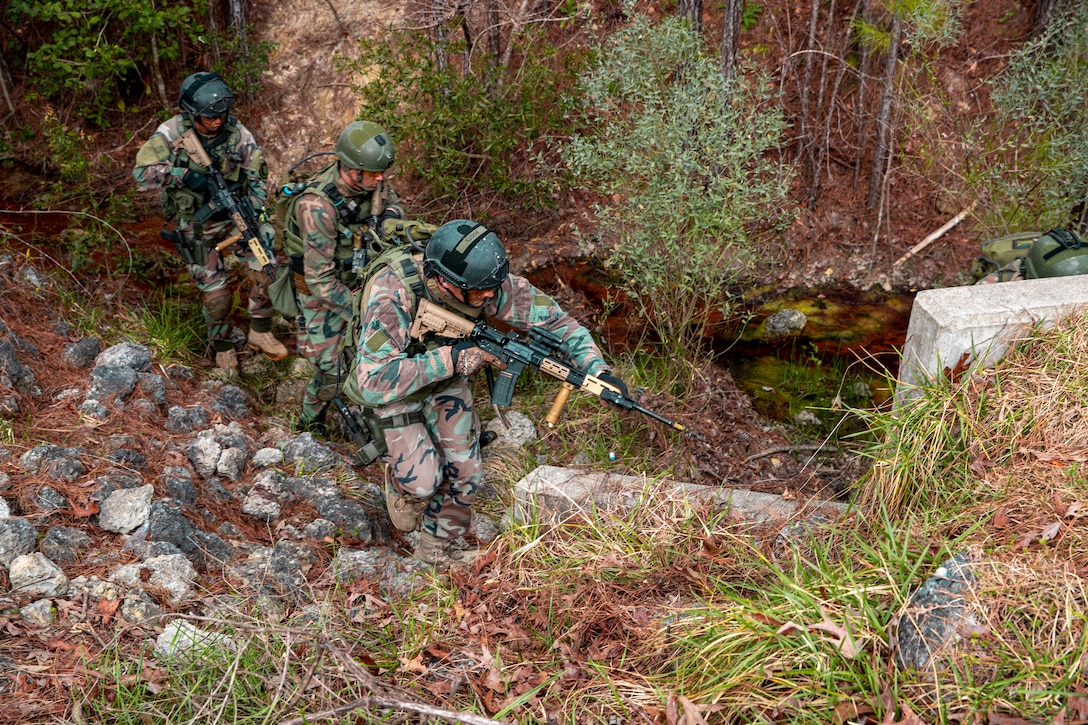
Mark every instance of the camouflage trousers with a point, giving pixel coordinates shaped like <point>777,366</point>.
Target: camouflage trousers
<point>318,342</point>
<point>211,280</point>
<point>438,460</point>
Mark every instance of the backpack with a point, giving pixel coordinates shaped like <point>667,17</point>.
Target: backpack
<point>404,261</point>
<point>998,253</point>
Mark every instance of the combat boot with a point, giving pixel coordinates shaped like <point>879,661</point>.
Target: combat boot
<point>267,343</point>
<point>404,511</point>
<point>438,553</point>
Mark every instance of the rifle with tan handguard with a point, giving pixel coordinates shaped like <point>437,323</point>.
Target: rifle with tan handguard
<point>543,351</point>
<point>242,214</point>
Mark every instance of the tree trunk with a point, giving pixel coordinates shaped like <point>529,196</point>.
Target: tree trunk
<point>825,137</point>
<point>864,63</point>
<point>693,11</point>
<point>1044,10</point>
<point>6,81</point>
<point>804,143</point>
<point>438,36</point>
<point>494,32</point>
<point>730,37</point>
<point>878,172</point>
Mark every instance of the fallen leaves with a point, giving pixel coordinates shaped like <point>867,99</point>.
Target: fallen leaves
<point>840,637</point>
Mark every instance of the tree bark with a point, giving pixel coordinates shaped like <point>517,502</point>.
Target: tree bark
<point>878,172</point>
<point>438,36</point>
<point>804,143</point>
<point>1044,10</point>
<point>494,31</point>
<point>864,63</point>
<point>825,137</point>
<point>730,38</point>
<point>693,11</point>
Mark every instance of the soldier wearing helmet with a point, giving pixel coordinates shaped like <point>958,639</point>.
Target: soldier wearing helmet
<point>325,237</point>
<point>420,389</point>
<point>161,164</point>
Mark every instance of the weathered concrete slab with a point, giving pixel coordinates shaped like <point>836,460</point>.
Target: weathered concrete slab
<point>976,324</point>
<point>554,494</point>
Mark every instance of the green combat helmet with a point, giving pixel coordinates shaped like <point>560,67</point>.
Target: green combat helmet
<point>1058,253</point>
<point>467,254</point>
<point>205,94</point>
<point>366,146</point>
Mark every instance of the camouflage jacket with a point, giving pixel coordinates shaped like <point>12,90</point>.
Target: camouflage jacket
<point>160,166</point>
<point>327,239</point>
<point>390,366</point>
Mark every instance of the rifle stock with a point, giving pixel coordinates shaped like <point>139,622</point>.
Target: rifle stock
<point>543,351</point>
<point>223,199</point>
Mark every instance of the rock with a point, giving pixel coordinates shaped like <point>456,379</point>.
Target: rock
<point>185,420</point>
<point>139,608</point>
<point>33,575</point>
<point>180,637</point>
<point>173,574</point>
<point>484,527</point>
<point>520,431</point>
<point>166,523</point>
<point>231,402</point>
<point>111,383</point>
<point>39,613</point>
<point>126,354</point>
<point>231,463</point>
<point>5,510</point>
<point>320,529</point>
<point>17,537</point>
<point>5,479</point>
<point>275,570</point>
<point>97,590</point>
<point>349,516</point>
<point>267,457</point>
<point>126,509</point>
<point>13,374</point>
<point>204,454</point>
<point>53,461</point>
<point>64,544</point>
<point>50,500</point>
<point>807,417</point>
<point>260,507</point>
<point>81,354</point>
<point>179,484</point>
<point>374,564</point>
<point>154,387</point>
<point>129,458</point>
<point>935,614</point>
<point>311,456</point>
<point>783,324</point>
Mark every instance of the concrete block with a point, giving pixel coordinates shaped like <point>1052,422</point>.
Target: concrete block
<point>553,494</point>
<point>975,325</point>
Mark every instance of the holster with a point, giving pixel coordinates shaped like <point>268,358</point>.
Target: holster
<point>196,253</point>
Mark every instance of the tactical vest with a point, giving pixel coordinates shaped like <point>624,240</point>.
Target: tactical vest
<point>182,202</point>
<point>407,265</point>
<point>351,223</point>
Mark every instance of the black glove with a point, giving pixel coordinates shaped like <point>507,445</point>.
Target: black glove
<point>390,213</point>
<point>468,358</point>
<point>607,377</point>
<point>195,181</point>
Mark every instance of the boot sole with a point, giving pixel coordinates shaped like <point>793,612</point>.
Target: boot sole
<point>274,358</point>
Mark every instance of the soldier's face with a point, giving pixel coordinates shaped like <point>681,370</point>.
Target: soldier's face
<point>359,179</point>
<point>472,297</point>
<point>209,126</point>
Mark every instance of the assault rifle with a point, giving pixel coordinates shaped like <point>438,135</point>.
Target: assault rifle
<point>241,213</point>
<point>543,351</point>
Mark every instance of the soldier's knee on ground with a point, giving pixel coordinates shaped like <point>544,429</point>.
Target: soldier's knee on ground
<point>217,303</point>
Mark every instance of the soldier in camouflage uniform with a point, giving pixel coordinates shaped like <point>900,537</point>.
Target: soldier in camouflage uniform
<point>328,238</point>
<point>161,164</point>
<point>421,390</point>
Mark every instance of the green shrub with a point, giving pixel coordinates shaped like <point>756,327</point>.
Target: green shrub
<point>681,157</point>
<point>88,47</point>
<point>463,131</point>
<point>1041,99</point>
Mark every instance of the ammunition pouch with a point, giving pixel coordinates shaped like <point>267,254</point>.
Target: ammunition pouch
<point>282,292</point>
<point>195,252</point>
<point>376,447</point>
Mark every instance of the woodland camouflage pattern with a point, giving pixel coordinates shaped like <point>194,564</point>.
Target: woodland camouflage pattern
<point>439,460</point>
<point>160,167</point>
<point>326,302</point>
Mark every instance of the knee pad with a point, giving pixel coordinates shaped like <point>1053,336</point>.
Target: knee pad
<point>327,386</point>
<point>217,303</point>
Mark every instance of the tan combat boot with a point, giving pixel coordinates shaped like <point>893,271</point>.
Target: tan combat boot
<point>404,511</point>
<point>267,343</point>
<point>438,553</point>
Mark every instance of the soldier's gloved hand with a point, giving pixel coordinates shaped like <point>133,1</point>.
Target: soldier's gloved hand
<point>467,358</point>
<point>390,213</point>
<point>612,380</point>
<point>195,181</point>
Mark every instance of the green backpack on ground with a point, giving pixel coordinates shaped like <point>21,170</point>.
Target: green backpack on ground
<point>999,253</point>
